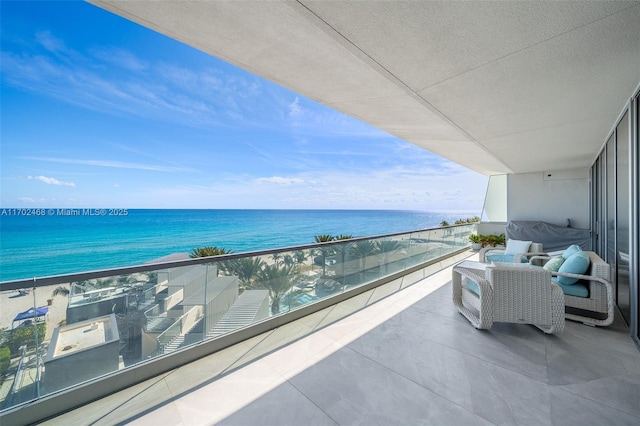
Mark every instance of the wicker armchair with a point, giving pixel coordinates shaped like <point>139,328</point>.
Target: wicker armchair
<point>597,308</point>
<point>515,293</point>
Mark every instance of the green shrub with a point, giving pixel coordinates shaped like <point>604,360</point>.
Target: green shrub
<point>488,240</point>
<point>5,359</point>
<point>26,336</point>
<point>474,219</point>
<point>492,240</point>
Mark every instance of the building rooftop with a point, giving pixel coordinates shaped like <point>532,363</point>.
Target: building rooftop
<point>82,335</point>
<point>391,356</point>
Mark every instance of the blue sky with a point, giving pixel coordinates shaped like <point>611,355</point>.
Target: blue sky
<point>100,112</point>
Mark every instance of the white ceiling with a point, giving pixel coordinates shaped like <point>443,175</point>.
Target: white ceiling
<point>499,87</point>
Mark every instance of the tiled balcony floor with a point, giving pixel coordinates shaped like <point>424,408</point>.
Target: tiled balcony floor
<point>408,359</point>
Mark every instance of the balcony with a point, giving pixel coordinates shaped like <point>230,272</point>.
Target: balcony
<point>393,355</point>
<point>120,327</point>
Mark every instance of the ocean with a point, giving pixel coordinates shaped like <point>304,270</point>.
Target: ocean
<point>44,242</point>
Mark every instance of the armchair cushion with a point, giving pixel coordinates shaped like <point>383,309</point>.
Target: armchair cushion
<point>578,290</point>
<point>570,251</point>
<point>473,287</point>
<point>516,247</point>
<point>578,263</point>
<point>554,264</point>
<point>500,257</point>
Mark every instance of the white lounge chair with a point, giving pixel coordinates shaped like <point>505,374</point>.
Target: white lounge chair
<point>515,293</point>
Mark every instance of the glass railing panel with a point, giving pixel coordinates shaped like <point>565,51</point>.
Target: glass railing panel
<point>277,284</point>
<point>390,255</point>
<point>364,253</point>
<point>345,268</point>
<point>24,329</point>
<point>233,301</point>
<point>190,302</point>
<point>83,329</point>
<point>421,248</point>
<point>462,236</point>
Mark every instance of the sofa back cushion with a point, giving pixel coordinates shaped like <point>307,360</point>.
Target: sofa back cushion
<point>570,251</point>
<point>577,263</point>
<point>516,247</point>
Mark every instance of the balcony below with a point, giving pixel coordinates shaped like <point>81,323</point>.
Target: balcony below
<point>393,355</point>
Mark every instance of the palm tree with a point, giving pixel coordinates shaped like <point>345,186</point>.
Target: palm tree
<point>385,247</point>
<point>342,248</point>
<point>300,256</point>
<point>278,281</point>
<point>361,250</point>
<point>60,291</point>
<point>246,269</point>
<point>276,258</point>
<point>444,223</point>
<point>208,252</point>
<point>324,238</point>
<point>288,260</point>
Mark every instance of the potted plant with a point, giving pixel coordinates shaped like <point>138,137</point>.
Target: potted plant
<point>493,240</point>
<point>476,241</point>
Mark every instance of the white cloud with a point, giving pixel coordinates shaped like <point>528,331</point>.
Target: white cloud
<point>121,58</point>
<point>27,200</point>
<point>384,188</point>
<point>278,180</point>
<point>51,181</point>
<point>50,42</point>
<point>295,110</point>
<point>112,164</point>
<point>118,81</point>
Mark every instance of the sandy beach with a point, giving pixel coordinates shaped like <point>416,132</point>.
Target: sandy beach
<point>12,303</point>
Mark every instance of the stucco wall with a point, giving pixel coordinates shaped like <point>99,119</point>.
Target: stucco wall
<point>552,196</point>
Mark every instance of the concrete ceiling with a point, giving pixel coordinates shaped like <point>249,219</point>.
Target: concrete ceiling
<point>499,87</point>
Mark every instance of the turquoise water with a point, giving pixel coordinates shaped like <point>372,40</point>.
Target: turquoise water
<point>53,243</point>
<point>296,301</point>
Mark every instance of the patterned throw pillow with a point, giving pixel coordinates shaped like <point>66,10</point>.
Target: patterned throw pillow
<point>554,264</point>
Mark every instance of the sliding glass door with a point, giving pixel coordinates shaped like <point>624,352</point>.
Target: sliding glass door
<point>622,243</point>
<point>612,194</point>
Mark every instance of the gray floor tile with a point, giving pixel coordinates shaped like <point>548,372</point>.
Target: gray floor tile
<point>526,356</point>
<point>569,363</point>
<point>352,389</point>
<point>570,409</point>
<point>492,392</point>
<point>284,405</point>
<point>621,392</point>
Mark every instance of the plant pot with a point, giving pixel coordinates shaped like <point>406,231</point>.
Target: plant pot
<point>476,246</point>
